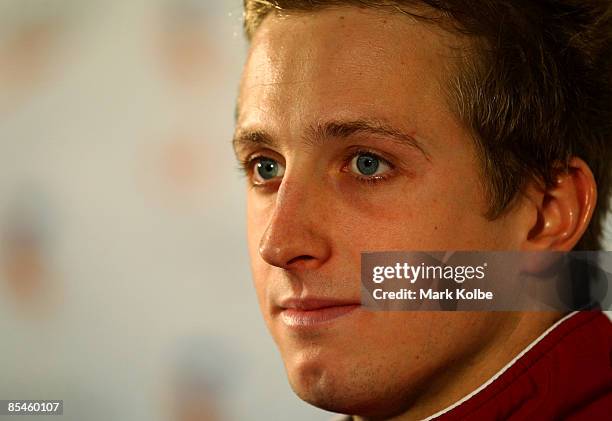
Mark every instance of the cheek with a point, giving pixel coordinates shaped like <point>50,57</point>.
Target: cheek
<point>257,222</point>
<point>409,217</point>
<point>256,226</point>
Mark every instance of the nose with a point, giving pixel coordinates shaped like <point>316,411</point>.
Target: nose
<point>296,237</point>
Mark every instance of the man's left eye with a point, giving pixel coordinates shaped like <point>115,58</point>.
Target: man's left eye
<point>267,169</point>
<point>367,164</point>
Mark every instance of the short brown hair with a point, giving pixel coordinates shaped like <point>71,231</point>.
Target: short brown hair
<point>537,93</point>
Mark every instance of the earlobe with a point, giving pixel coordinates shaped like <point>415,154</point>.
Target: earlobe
<point>564,210</point>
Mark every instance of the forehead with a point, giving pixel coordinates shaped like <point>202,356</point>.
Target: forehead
<point>346,63</point>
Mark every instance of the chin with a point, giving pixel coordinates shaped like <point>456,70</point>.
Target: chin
<point>326,392</point>
<point>344,386</point>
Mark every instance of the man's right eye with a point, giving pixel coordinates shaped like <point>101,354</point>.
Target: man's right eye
<point>266,169</point>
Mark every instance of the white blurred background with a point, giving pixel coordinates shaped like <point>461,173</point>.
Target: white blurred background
<point>124,282</point>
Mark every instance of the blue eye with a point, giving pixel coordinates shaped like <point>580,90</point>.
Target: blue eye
<point>368,164</point>
<point>267,169</point>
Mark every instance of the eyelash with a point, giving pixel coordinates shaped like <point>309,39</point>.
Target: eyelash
<point>245,166</point>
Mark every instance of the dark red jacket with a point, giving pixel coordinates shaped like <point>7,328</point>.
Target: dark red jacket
<point>566,375</point>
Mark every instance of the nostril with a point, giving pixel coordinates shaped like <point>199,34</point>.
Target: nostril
<point>302,258</point>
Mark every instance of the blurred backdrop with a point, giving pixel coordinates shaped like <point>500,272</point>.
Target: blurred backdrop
<point>124,282</point>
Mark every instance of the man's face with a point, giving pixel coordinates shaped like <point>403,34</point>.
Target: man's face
<point>350,145</point>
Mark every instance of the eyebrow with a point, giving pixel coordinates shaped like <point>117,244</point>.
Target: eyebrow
<point>335,129</point>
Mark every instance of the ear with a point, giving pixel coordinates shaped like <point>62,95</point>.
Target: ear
<point>563,211</point>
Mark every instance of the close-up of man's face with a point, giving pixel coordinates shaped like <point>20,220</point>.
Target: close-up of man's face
<point>350,145</point>
<point>409,214</point>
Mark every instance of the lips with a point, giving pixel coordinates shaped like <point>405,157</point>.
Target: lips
<point>311,312</point>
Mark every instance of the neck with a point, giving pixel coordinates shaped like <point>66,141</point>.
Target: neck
<point>459,378</point>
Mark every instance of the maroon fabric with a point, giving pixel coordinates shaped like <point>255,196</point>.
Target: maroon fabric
<point>567,375</point>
